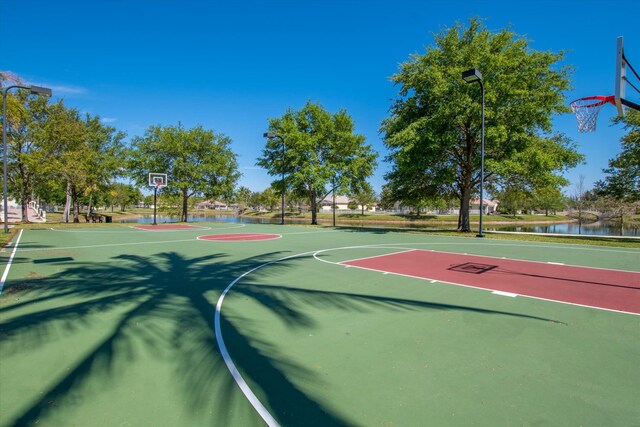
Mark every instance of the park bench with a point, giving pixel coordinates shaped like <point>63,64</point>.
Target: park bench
<point>94,218</point>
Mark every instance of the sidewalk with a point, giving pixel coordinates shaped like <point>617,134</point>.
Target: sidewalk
<point>15,215</point>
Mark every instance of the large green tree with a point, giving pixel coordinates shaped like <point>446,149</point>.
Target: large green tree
<point>197,161</point>
<point>317,151</point>
<point>81,153</point>
<point>52,148</point>
<point>434,132</point>
<point>622,181</point>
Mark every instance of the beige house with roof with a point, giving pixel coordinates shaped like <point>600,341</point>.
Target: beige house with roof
<point>342,204</point>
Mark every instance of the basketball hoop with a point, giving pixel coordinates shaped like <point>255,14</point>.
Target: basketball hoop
<point>587,109</point>
<point>156,181</point>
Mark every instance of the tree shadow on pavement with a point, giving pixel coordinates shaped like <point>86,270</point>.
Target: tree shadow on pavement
<point>164,304</point>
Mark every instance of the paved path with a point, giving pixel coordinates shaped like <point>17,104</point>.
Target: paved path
<point>15,215</point>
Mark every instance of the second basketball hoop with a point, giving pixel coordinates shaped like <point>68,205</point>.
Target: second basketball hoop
<point>156,181</point>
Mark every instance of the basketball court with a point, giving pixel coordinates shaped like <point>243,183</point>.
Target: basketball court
<point>247,325</point>
<point>214,325</point>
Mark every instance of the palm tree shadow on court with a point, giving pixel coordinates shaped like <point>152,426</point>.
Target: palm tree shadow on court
<point>164,304</point>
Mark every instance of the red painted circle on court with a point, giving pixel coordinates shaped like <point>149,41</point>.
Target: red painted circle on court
<point>239,237</point>
<point>166,227</point>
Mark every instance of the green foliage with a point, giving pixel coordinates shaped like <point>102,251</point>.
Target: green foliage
<point>434,132</point>
<point>623,174</point>
<point>148,200</point>
<point>513,200</point>
<point>197,161</point>
<point>315,150</point>
<point>123,195</point>
<point>270,198</point>
<point>548,199</point>
<point>364,196</point>
<point>54,151</point>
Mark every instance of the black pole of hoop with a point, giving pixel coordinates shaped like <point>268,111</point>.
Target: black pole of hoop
<point>155,194</point>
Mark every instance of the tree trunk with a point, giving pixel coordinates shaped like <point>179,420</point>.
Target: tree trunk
<point>89,208</point>
<point>67,204</point>
<point>185,201</point>
<point>463,217</point>
<point>314,208</point>
<point>25,197</point>
<point>75,204</point>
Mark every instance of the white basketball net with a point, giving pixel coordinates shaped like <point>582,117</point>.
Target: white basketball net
<point>586,111</point>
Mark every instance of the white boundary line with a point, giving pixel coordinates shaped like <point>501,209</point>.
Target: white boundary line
<point>375,256</point>
<point>106,245</point>
<point>8,267</point>
<point>183,227</point>
<point>232,236</point>
<point>233,370</point>
<point>131,229</point>
<point>312,232</point>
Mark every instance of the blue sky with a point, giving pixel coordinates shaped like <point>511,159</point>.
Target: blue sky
<point>231,65</point>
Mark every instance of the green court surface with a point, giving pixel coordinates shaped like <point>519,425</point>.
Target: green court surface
<point>111,326</point>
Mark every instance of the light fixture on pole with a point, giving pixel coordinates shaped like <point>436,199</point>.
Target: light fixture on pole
<point>35,90</point>
<point>270,135</point>
<point>470,76</point>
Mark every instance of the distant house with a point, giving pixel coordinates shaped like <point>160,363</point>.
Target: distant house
<point>217,204</point>
<point>214,204</point>
<point>342,204</point>
<point>490,206</point>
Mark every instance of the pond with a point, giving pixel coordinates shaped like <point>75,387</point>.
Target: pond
<point>596,228</point>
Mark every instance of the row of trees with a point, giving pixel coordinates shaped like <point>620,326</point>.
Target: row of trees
<point>57,154</point>
<point>432,134</point>
<point>60,156</point>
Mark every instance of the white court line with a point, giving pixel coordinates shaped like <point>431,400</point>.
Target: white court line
<point>132,229</point>
<point>106,245</point>
<point>379,256</point>
<point>233,370</point>
<point>505,294</point>
<point>8,267</point>
<point>312,232</point>
<point>183,227</point>
<point>247,237</point>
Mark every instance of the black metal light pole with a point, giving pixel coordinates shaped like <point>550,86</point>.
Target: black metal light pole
<point>470,76</point>
<point>270,135</point>
<point>35,90</point>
